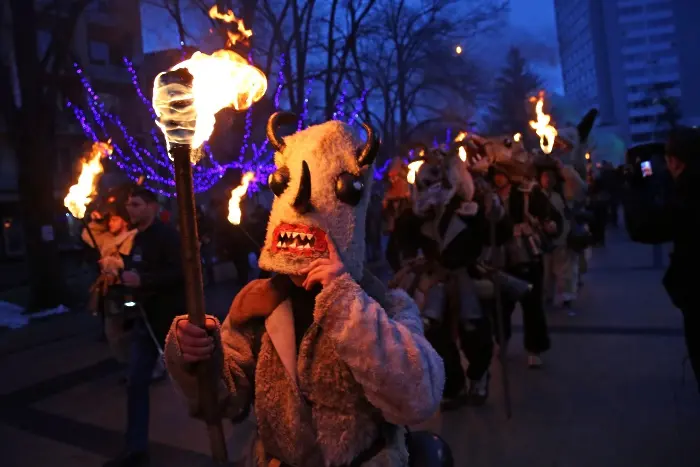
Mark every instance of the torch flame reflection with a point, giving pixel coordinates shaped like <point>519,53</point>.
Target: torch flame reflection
<point>544,130</point>
<point>413,170</point>
<point>517,137</point>
<point>234,205</point>
<point>80,194</point>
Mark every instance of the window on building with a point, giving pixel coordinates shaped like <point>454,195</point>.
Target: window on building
<point>659,6</point>
<point>642,119</point>
<point>630,10</point>
<point>660,22</point>
<point>642,137</point>
<point>98,52</point>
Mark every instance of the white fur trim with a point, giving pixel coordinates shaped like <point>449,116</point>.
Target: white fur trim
<point>280,328</point>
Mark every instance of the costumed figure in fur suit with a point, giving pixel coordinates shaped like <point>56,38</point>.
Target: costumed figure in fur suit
<point>536,222</point>
<point>110,229</point>
<point>446,282</point>
<point>559,176</point>
<point>334,364</point>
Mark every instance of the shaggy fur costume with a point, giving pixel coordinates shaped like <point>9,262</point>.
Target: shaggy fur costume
<point>363,368</point>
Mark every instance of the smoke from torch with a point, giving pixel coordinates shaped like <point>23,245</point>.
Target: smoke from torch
<point>80,194</point>
<point>234,205</point>
<point>544,130</point>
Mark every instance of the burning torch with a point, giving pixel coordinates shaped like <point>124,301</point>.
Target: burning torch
<point>186,99</point>
<point>542,127</point>
<point>80,195</point>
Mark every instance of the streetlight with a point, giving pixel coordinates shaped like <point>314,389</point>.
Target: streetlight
<point>458,49</point>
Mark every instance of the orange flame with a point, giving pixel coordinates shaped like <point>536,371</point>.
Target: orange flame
<point>544,130</point>
<point>234,205</point>
<point>242,34</point>
<point>223,79</point>
<point>461,136</point>
<point>80,194</point>
<point>413,170</point>
<point>463,154</point>
<point>517,137</point>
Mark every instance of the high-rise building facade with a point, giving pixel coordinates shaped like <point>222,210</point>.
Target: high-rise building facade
<point>636,60</point>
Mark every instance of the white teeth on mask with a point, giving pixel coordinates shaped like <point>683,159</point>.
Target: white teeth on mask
<point>307,247</point>
<point>279,244</point>
<point>302,236</point>
<point>295,234</point>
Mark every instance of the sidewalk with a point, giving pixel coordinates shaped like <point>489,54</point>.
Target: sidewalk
<point>611,394</point>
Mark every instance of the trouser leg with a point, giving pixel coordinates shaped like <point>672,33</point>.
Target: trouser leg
<point>534,319</point>
<point>691,328</point>
<point>142,360</point>
<point>441,339</point>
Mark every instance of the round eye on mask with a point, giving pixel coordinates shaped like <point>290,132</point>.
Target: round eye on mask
<point>349,188</point>
<point>507,142</point>
<point>279,180</point>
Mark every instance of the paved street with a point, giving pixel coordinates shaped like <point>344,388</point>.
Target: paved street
<point>611,395</point>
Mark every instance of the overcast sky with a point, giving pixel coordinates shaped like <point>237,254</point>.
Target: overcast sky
<point>531,27</point>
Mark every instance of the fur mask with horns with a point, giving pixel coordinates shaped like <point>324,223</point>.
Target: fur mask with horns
<point>441,177</point>
<point>322,187</point>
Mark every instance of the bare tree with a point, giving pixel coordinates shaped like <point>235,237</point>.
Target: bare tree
<point>411,58</point>
<point>30,86</point>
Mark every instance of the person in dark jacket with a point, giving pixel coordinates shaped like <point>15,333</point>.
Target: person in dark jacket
<point>682,219</point>
<point>536,223</point>
<point>153,276</point>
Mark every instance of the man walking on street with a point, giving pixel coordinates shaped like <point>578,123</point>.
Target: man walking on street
<point>153,274</point>
<point>683,219</point>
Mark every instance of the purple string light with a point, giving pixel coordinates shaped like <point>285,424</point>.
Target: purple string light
<point>358,107</point>
<point>136,161</point>
<point>305,113</point>
<point>340,105</point>
<point>448,136</point>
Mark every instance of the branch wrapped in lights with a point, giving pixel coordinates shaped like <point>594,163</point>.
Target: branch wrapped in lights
<point>136,160</point>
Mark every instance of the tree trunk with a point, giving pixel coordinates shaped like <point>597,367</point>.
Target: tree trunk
<point>33,143</point>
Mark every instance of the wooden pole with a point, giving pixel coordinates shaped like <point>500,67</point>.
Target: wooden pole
<point>194,295</point>
<point>194,284</point>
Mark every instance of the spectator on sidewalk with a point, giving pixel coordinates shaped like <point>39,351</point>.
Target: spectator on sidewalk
<point>683,221</point>
<point>154,276</point>
<point>110,230</point>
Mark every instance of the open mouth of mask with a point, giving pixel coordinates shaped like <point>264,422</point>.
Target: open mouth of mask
<point>299,239</point>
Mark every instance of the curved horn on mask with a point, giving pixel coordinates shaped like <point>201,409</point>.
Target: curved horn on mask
<point>367,153</point>
<point>586,124</point>
<point>302,203</point>
<point>277,119</point>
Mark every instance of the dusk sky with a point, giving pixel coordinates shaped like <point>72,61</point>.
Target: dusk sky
<point>531,26</point>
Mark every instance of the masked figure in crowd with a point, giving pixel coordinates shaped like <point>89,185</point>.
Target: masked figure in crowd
<point>334,363</point>
<point>447,283</point>
<point>536,222</point>
<point>559,176</point>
